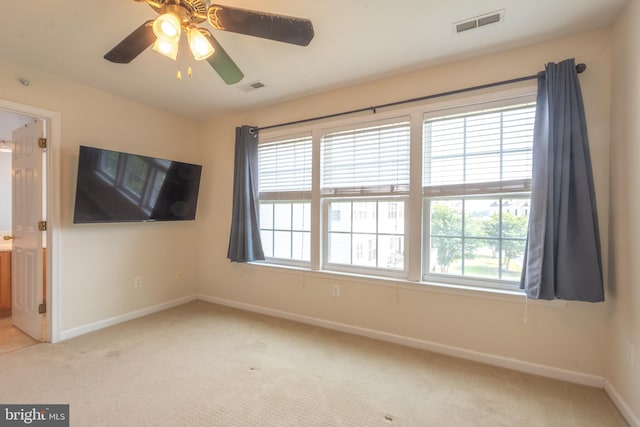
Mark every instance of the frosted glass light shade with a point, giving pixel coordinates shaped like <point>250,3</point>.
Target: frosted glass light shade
<point>166,47</point>
<point>200,46</point>
<point>167,26</point>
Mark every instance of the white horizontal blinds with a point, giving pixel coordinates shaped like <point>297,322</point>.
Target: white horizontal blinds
<point>481,152</point>
<point>285,168</point>
<point>367,160</point>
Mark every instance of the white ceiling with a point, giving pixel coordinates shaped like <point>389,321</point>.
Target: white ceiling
<point>354,40</point>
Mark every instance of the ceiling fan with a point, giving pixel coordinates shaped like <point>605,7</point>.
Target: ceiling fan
<point>177,16</point>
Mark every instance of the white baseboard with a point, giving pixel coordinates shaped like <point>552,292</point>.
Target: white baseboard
<point>489,359</point>
<point>85,329</point>
<point>622,406</point>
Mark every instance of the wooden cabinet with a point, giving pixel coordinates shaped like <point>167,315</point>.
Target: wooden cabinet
<point>5,283</point>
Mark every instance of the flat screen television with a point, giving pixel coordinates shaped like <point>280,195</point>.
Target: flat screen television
<point>120,187</point>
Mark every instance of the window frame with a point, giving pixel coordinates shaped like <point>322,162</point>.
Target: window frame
<point>415,227</point>
<point>458,279</point>
<point>286,261</point>
<point>517,188</point>
<point>287,196</point>
<point>365,194</point>
<point>360,269</point>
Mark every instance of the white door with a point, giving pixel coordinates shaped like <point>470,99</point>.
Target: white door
<point>26,260</point>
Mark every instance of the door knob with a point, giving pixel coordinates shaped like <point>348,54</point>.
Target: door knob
<point>9,237</point>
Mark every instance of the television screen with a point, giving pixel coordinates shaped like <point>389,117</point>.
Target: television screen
<point>119,187</point>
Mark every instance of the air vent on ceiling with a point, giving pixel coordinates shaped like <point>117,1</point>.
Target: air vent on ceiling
<point>478,21</point>
<point>251,86</point>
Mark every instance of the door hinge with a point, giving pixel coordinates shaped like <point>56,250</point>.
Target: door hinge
<point>42,225</point>
<point>42,308</point>
<point>42,142</point>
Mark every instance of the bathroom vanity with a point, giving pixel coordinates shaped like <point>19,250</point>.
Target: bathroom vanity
<point>5,282</point>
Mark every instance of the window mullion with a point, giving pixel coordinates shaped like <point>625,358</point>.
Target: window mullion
<point>463,237</point>
<point>378,232</point>
<point>500,234</point>
<point>318,242</point>
<point>413,212</point>
<point>501,146</point>
<point>291,210</point>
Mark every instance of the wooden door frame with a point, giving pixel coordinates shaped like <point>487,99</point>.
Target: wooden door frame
<point>52,261</point>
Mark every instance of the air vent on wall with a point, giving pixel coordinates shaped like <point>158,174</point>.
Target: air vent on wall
<point>251,86</point>
<point>478,21</point>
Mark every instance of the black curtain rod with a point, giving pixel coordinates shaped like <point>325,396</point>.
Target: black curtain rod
<point>579,69</point>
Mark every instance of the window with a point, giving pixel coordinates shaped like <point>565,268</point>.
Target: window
<point>135,174</point>
<point>364,185</point>
<point>476,184</point>
<point>477,237</point>
<point>361,233</point>
<point>452,185</point>
<point>285,230</point>
<point>285,194</point>
<point>137,178</point>
<point>156,186</point>
<point>373,159</point>
<point>109,163</point>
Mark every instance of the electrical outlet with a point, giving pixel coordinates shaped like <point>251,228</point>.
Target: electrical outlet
<point>630,351</point>
<point>335,290</point>
<point>137,282</point>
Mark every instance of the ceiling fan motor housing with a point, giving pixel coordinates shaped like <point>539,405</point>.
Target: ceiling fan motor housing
<point>190,11</point>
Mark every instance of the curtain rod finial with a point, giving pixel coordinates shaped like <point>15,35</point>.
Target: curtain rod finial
<point>581,67</point>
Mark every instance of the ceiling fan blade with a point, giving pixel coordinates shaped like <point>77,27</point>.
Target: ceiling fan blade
<point>280,28</point>
<point>132,45</point>
<point>221,62</point>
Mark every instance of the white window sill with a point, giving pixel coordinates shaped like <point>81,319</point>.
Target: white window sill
<point>516,296</point>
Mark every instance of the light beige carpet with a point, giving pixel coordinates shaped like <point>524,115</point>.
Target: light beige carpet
<point>202,364</point>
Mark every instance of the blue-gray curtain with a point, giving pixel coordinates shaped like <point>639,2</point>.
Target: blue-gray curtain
<point>244,240</point>
<point>562,257</point>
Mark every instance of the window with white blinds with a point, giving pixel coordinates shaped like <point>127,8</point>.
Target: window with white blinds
<point>365,173</point>
<point>355,209</point>
<point>485,151</point>
<point>285,168</point>
<point>366,160</point>
<point>476,183</point>
<point>285,193</point>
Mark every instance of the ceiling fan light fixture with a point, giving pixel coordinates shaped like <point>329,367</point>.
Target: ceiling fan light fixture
<point>177,16</point>
<point>200,46</point>
<point>166,47</point>
<point>167,26</point>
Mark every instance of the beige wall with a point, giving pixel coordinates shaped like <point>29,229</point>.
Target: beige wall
<point>624,304</point>
<point>564,336</point>
<point>98,262</point>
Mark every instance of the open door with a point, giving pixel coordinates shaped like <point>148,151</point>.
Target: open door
<point>27,262</point>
